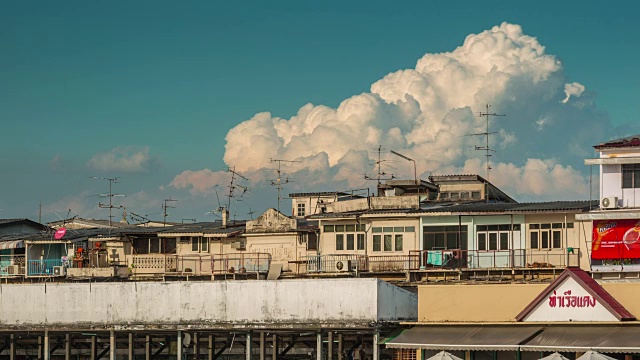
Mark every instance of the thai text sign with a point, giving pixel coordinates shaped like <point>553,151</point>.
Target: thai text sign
<point>567,300</point>
<point>616,239</point>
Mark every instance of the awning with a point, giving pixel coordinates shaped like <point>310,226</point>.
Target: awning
<point>619,339</point>
<point>464,337</point>
<point>15,244</point>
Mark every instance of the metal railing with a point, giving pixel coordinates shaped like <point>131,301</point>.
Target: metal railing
<point>553,258</point>
<point>333,263</point>
<point>492,259</point>
<point>42,267</point>
<point>240,263</point>
<point>11,265</point>
<point>393,263</point>
<point>194,264</point>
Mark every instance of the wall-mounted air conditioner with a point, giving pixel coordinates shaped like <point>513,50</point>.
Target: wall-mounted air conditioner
<point>345,266</point>
<point>59,271</point>
<point>610,202</point>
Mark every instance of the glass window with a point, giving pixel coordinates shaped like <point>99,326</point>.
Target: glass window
<point>452,240</point>
<point>556,226</point>
<point>376,229</point>
<point>350,228</point>
<point>398,242</point>
<point>493,241</point>
<point>312,241</point>
<point>557,239</point>
<point>504,241</point>
<point>141,246</point>
<point>339,242</point>
<point>516,227</point>
<point>429,241</point>
<point>169,245</point>
<point>534,226</point>
<point>398,229</point>
<point>482,241</point>
<point>351,241</point>
<point>630,176</point>
<point>464,195</point>
<point>475,194</point>
<point>569,225</point>
<point>545,239</point>
<point>360,241</point>
<point>545,226</point>
<point>388,245</point>
<point>387,229</point>
<point>301,209</point>
<point>455,195</point>
<point>204,244</point>
<point>194,243</point>
<point>534,240</point>
<point>504,227</point>
<point>444,195</point>
<point>409,229</point>
<point>154,246</point>
<point>377,239</point>
<point>339,228</point>
<point>329,228</point>
<point>481,228</point>
<point>362,227</point>
<point>493,227</point>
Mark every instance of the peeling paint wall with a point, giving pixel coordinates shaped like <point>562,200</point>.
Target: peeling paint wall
<point>291,302</point>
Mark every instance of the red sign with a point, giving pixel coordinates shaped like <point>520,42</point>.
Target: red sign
<point>567,300</point>
<point>616,239</point>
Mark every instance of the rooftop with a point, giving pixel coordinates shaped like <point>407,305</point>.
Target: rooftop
<point>629,141</point>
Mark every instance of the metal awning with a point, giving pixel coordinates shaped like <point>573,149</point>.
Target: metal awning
<point>14,244</point>
<point>612,161</point>
<point>464,337</point>
<point>618,339</point>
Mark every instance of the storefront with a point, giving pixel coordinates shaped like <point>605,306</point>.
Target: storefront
<point>572,315</point>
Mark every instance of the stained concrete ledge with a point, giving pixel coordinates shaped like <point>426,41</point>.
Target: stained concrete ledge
<point>301,303</point>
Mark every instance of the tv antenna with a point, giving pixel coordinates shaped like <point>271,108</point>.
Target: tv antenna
<point>233,185</point>
<point>488,150</point>
<point>381,174</point>
<point>166,205</point>
<point>278,183</point>
<point>110,195</point>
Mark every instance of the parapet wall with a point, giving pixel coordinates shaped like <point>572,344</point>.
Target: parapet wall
<point>338,303</point>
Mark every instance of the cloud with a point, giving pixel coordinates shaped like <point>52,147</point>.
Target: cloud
<point>574,89</point>
<point>428,114</point>
<point>199,182</point>
<point>56,163</point>
<point>123,159</point>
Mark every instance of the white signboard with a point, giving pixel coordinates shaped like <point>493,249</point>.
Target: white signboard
<point>569,301</point>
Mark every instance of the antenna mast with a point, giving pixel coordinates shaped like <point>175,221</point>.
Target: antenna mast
<point>233,186</point>
<point>486,148</point>
<point>166,206</point>
<point>110,195</point>
<point>278,183</point>
<point>381,174</point>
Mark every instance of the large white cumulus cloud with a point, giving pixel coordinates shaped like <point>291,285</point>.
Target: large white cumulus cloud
<point>425,113</point>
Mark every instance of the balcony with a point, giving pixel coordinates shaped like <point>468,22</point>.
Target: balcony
<point>42,267</point>
<point>12,265</point>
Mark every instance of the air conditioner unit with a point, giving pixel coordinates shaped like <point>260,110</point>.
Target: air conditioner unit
<point>238,245</point>
<point>610,202</point>
<point>13,270</point>
<point>59,271</point>
<point>345,266</point>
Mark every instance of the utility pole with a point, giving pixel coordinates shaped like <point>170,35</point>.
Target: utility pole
<point>488,150</point>
<point>278,183</point>
<point>110,195</point>
<point>166,206</point>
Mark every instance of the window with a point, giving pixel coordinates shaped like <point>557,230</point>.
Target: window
<point>301,209</point>
<point>475,195</point>
<point>350,241</point>
<point>354,234</point>
<point>631,176</point>
<point>398,242</point>
<point>387,242</point>
<point>547,236</point>
<point>361,244</point>
<point>495,237</point>
<point>154,245</point>
<point>199,244</point>
<point>339,241</point>
<point>377,239</point>
<point>312,241</point>
<point>444,237</point>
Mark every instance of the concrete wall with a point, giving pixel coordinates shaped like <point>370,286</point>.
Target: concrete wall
<point>292,303</point>
<point>283,247</point>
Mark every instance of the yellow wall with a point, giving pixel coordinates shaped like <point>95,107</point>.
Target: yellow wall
<point>498,302</point>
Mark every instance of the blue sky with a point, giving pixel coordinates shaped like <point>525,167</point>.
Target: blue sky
<point>168,80</point>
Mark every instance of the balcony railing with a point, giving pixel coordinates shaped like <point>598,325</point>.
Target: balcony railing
<point>333,263</point>
<point>394,263</point>
<point>11,265</point>
<point>495,259</point>
<point>154,264</point>
<point>241,263</point>
<point>42,267</point>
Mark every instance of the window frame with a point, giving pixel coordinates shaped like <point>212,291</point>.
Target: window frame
<point>493,236</point>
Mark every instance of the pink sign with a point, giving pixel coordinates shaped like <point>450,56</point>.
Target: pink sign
<point>60,233</point>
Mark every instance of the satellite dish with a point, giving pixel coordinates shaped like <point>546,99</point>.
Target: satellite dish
<point>187,340</point>
<point>60,233</point>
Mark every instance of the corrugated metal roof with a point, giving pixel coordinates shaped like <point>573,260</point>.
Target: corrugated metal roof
<point>629,141</point>
<point>483,207</point>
